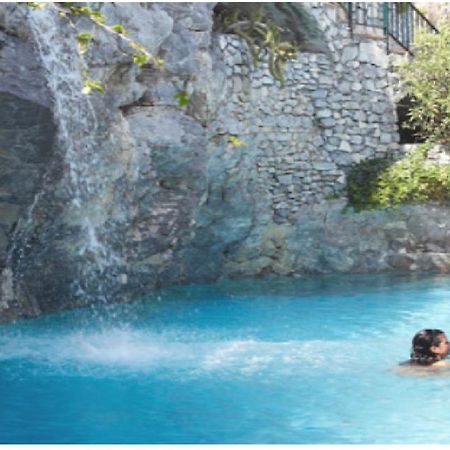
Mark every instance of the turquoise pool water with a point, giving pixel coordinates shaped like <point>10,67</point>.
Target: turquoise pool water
<point>275,361</point>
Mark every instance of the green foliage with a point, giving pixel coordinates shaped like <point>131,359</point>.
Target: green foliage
<point>235,141</point>
<point>140,55</point>
<point>84,39</point>
<point>140,59</point>
<point>35,5</point>
<point>120,29</point>
<point>262,35</point>
<point>426,79</point>
<point>384,183</point>
<point>92,85</point>
<point>182,97</point>
<point>76,9</point>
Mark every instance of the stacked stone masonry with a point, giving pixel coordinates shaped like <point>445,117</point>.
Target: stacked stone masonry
<point>336,108</point>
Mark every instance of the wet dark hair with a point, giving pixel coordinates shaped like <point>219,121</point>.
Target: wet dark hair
<point>421,347</point>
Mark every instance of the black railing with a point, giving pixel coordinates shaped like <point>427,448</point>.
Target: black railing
<point>366,14</point>
<point>399,21</point>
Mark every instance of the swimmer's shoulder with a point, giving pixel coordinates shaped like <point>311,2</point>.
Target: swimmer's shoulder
<point>441,364</point>
<point>409,368</point>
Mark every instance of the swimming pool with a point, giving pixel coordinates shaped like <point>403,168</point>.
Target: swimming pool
<point>272,361</point>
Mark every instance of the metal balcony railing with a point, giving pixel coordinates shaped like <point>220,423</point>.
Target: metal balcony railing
<point>399,21</point>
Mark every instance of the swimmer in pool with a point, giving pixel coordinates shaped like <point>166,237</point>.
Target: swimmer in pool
<point>429,349</point>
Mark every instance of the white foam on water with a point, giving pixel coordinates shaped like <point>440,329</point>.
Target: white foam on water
<point>140,351</point>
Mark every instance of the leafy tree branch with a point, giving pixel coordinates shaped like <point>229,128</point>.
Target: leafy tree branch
<point>262,36</point>
<point>139,54</point>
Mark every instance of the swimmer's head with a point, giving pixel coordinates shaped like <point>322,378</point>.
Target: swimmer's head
<point>429,346</point>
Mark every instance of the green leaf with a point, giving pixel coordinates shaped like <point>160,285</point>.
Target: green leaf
<point>182,97</point>
<point>235,141</point>
<point>97,16</point>
<point>120,29</point>
<point>80,10</point>
<point>140,59</point>
<point>84,38</point>
<point>36,5</point>
<point>90,85</point>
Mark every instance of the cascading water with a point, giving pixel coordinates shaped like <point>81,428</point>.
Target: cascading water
<point>77,126</point>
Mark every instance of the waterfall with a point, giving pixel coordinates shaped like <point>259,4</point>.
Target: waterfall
<point>77,128</point>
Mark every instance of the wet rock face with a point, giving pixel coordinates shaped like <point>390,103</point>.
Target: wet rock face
<point>27,130</point>
<point>27,135</point>
<point>26,139</point>
<point>324,239</point>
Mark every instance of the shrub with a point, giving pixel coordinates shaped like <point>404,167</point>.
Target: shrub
<point>426,80</point>
<point>384,182</point>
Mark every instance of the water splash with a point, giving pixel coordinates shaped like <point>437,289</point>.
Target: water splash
<point>193,353</point>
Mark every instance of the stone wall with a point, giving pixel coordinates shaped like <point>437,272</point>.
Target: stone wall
<point>336,108</point>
